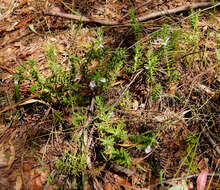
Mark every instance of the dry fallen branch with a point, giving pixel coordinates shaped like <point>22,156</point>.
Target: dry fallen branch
<point>214,144</point>
<point>79,18</point>
<point>176,10</point>
<point>140,19</point>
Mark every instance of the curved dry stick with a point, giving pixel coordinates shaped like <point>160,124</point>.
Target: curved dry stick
<point>79,18</point>
<point>140,19</point>
<point>175,10</point>
<point>214,144</point>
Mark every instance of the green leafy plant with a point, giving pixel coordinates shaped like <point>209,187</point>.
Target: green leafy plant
<point>122,157</point>
<point>71,163</point>
<point>116,63</point>
<point>188,161</point>
<point>137,60</point>
<point>143,140</point>
<point>174,76</point>
<point>193,141</point>
<point>78,118</point>
<point>137,56</point>
<point>110,134</point>
<point>194,20</point>
<point>135,25</point>
<point>50,178</point>
<point>169,44</point>
<point>58,86</point>
<point>191,37</point>
<point>156,92</point>
<point>151,65</point>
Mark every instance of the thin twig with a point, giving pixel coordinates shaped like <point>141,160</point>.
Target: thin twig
<point>215,145</point>
<point>125,89</point>
<point>89,114</point>
<point>88,140</point>
<point>216,168</point>
<point>214,135</point>
<point>89,144</point>
<point>85,146</point>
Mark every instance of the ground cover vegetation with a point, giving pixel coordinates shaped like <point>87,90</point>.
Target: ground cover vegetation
<point>93,104</point>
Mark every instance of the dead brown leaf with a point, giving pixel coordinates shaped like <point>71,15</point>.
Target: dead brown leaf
<point>38,178</point>
<point>123,182</point>
<point>108,186</point>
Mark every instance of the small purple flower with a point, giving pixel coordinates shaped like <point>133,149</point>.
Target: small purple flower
<point>146,67</point>
<point>92,84</point>
<point>148,149</point>
<point>103,80</point>
<point>165,43</point>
